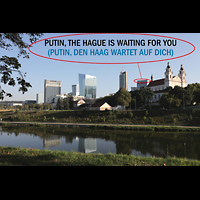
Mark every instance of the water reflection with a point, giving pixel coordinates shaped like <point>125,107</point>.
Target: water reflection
<point>52,141</point>
<point>87,145</point>
<point>104,141</point>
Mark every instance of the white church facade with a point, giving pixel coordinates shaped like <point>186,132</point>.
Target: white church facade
<point>159,86</point>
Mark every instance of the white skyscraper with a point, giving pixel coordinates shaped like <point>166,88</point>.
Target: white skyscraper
<point>39,98</point>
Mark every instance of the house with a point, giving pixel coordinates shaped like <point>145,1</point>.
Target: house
<point>84,106</point>
<point>159,86</point>
<point>100,106</point>
<point>78,103</point>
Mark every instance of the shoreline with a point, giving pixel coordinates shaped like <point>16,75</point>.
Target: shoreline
<point>106,126</point>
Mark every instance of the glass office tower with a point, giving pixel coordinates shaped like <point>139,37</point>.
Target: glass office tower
<point>87,86</point>
<point>141,83</point>
<point>51,88</point>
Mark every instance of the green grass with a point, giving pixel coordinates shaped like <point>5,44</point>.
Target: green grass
<point>155,128</point>
<point>151,117</point>
<point>10,156</point>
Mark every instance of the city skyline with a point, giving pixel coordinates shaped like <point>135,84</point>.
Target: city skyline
<point>39,69</point>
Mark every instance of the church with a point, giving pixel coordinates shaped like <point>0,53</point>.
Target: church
<point>159,86</point>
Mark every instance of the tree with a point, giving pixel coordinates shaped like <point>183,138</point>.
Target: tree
<point>197,95</point>
<point>142,96</point>
<point>66,103</point>
<point>59,104</point>
<point>193,91</point>
<point>8,65</point>
<point>122,97</point>
<point>170,101</point>
<point>71,101</point>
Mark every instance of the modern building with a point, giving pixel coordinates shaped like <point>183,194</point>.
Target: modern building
<point>51,88</point>
<point>141,83</point>
<point>29,101</point>
<point>123,80</point>
<point>39,98</point>
<point>133,88</point>
<point>159,86</point>
<point>54,98</point>
<point>87,85</point>
<point>75,90</point>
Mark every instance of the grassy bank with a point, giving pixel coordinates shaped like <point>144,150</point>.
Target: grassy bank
<point>144,117</point>
<point>155,128</point>
<point>10,156</point>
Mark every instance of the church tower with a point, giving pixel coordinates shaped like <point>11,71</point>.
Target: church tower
<point>168,75</point>
<point>152,77</point>
<point>182,76</point>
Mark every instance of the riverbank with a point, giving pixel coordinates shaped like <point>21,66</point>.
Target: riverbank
<point>139,117</point>
<point>157,128</point>
<point>10,156</point>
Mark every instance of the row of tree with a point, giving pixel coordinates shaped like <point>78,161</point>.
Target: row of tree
<point>65,104</point>
<point>180,97</point>
<point>173,98</point>
<point>133,99</point>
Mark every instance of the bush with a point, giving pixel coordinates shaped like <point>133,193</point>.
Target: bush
<point>174,120</point>
<point>130,114</point>
<point>44,118</point>
<point>190,118</point>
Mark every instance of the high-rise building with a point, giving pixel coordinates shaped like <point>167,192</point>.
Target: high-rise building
<point>123,80</point>
<point>75,90</point>
<point>87,86</point>
<point>51,88</point>
<point>141,83</point>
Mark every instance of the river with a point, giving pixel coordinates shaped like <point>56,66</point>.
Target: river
<point>138,143</point>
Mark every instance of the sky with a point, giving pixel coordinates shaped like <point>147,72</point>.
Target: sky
<point>38,68</point>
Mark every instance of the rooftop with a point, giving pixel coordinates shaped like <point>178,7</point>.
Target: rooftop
<point>157,82</point>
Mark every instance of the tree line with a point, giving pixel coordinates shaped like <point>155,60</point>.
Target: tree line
<point>180,97</point>
<point>132,100</point>
<point>65,104</point>
<point>172,98</point>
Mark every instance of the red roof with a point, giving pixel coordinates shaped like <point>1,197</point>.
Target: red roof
<point>156,82</point>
